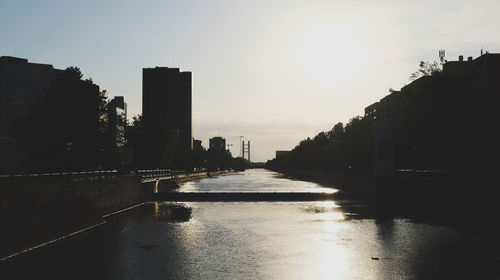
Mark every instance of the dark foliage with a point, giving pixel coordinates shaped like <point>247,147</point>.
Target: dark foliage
<point>340,149</point>
<point>174,156</point>
<point>69,129</point>
<point>446,120</point>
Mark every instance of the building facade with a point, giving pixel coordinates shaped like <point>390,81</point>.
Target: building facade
<point>22,85</point>
<point>166,109</point>
<point>447,120</point>
<point>217,144</point>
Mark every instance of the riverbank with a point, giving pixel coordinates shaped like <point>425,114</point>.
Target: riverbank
<point>35,211</point>
<point>470,206</point>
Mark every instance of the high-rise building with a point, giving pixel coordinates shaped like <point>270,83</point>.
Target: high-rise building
<point>22,85</point>
<point>217,144</point>
<point>166,110</point>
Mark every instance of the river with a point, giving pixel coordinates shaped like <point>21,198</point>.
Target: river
<point>259,240</point>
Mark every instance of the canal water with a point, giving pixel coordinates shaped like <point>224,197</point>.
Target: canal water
<point>259,240</point>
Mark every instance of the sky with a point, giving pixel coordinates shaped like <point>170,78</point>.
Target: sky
<point>273,71</point>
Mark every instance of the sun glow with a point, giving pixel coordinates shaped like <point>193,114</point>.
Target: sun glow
<point>331,54</point>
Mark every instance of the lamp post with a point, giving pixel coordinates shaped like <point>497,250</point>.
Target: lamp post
<point>101,157</point>
<point>67,148</point>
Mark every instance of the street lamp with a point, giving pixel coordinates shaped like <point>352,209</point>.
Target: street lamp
<point>67,147</point>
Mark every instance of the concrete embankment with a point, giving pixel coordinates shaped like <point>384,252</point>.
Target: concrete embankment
<point>103,194</point>
<point>179,178</point>
<point>34,210</point>
<point>186,177</point>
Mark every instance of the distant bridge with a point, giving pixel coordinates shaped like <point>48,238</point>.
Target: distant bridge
<point>242,196</point>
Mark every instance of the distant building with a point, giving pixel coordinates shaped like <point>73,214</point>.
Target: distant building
<point>166,110</point>
<point>217,144</point>
<point>118,118</point>
<point>22,84</point>
<point>197,147</point>
<point>119,106</point>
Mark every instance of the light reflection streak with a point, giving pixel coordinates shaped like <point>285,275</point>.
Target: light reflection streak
<point>191,233</point>
<point>333,258</point>
<point>327,204</point>
<point>157,208</point>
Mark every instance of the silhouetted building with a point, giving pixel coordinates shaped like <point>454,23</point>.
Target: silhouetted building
<point>118,116</point>
<point>197,147</point>
<point>22,84</point>
<point>482,71</point>
<point>217,144</point>
<point>444,121</point>
<point>119,106</point>
<point>166,109</point>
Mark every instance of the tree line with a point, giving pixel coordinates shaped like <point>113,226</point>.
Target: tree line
<point>442,121</point>
<point>344,147</point>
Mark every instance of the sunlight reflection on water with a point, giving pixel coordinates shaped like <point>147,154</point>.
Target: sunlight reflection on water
<point>253,180</point>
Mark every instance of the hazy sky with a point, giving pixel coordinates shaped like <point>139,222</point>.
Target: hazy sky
<point>273,71</point>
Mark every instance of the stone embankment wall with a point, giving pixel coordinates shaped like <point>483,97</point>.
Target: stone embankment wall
<point>172,184</point>
<point>104,195</point>
<point>34,210</point>
<point>186,177</point>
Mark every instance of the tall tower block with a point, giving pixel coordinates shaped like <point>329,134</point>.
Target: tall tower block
<point>166,109</point>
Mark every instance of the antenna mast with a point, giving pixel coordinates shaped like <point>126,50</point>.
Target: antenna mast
<point>246,149</point>
<point>241,147</point>
<point>442,56</point>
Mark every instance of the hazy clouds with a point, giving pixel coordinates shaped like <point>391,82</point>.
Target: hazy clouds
<point>273,71</point>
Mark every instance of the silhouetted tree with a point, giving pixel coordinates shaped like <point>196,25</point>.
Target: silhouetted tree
<point>426,69</point>
<point>134,143</point>
<point>67,130</point>
<point>447,122</point>
<point>341,149</point>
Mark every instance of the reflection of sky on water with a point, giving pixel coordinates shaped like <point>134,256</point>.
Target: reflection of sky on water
<point>307,240</point>
<point>253,180</point>
<point>266,240</point>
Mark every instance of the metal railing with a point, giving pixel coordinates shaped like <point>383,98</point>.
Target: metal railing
<point>145,175</point>
<point>61,176</point>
